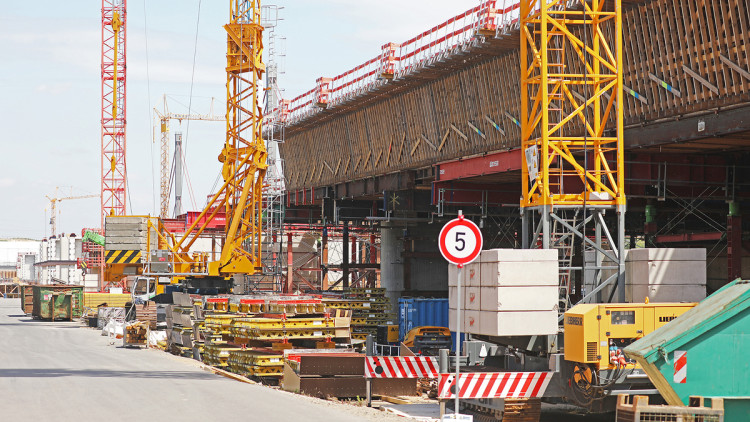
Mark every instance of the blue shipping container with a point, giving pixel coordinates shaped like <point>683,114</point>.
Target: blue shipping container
<point>420,312</point>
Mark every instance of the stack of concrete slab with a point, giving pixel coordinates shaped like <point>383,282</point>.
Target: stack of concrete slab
<point>661,274</point>
<point>129,234</point>
<point>508,292</point>
<point>665,275</point>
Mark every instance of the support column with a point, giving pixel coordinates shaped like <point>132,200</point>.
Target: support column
<point>525,224</point>
<point>391,263</point>
<point>621,253</point>
<point>546,227</point>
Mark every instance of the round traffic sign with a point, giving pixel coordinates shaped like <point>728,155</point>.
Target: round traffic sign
<point>460,241</point>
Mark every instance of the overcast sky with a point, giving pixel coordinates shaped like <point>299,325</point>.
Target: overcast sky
<point>50,90</point>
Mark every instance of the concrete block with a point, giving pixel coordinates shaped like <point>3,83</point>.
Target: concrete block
<point>541,273</point>
<point>517,323</point>
<point>452,293</point>
<point>472,298</point>
<point>518,255</point>
<point>666,254</point>
<point>124,220</point>
<point>665,292</point>
<point>452,275</point>
<point>452,318</point>
<point>676,272</point>
<point>472,322</point>
<point>472,274</point>
<point>531,298</point>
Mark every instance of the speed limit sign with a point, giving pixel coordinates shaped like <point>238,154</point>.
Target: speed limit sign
<point>460,241</point>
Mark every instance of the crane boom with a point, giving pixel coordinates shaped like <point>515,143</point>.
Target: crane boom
<point>53,207</point>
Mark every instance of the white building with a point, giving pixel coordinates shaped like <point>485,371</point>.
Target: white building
<point>9,255</point>
<point>58,260</point>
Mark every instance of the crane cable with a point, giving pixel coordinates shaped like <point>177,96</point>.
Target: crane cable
<point>190,106</point>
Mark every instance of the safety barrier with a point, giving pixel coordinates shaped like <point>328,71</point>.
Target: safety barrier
<point>401,367</point>
<point>487,385</point>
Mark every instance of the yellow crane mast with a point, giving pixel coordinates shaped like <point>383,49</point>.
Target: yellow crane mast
<point>572,131</point>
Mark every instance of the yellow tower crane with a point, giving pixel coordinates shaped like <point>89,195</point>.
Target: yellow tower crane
<point>243,159</point>
<point>53,207</point>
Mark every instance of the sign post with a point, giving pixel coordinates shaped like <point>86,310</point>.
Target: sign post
<point>460,242</point>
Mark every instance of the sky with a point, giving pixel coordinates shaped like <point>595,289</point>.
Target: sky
<point>50,91</point>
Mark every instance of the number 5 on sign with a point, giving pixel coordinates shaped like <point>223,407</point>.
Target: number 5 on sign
<point>460,241</point>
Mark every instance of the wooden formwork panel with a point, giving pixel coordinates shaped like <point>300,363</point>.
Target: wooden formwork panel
<point>699,48</point>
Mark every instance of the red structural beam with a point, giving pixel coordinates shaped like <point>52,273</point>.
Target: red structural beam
<point>689,237</point>
<point>498,162</point>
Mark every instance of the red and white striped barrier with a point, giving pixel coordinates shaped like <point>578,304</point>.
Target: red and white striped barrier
<point>494,385</point>
<point>680,367</point>
<point>401,367</point>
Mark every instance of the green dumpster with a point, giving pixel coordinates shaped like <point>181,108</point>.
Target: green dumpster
<point>44,294</point>
<point>703,352</point>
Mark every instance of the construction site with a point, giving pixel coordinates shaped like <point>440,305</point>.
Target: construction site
<point>531,211</point>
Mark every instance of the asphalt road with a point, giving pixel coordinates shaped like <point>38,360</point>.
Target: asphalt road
<point>63,371</point>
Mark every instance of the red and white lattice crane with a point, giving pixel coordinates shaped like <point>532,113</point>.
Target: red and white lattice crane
<point>113,169</point>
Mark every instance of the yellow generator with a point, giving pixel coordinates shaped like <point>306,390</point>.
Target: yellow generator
<point>596,334</point>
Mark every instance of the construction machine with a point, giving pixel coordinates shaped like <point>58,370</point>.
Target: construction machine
<point>141,245</point>
<point>428,340</point>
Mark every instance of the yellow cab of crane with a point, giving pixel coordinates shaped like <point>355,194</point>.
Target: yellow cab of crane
<point>596,334</point>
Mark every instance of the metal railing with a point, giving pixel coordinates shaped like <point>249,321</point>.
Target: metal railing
<point>455,36</point>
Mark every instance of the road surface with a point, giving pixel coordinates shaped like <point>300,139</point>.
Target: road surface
<point>62,371</point>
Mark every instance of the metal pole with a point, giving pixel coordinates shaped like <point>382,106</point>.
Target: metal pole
<point>458,332</point>
<point>369,346</point>
<point>621,253</point>
<point>525,223</point>
<point>177,174</point>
